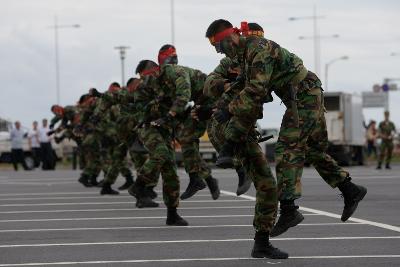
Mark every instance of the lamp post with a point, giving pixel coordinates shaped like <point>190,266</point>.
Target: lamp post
<point>122,53</point>
<point>56,26</point>
<point>327,68</point>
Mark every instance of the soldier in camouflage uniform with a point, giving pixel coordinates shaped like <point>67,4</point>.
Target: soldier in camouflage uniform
<point>269,67</point>
<point>86,130</point>
<point>69,118</point>
<point>223,85</point>
<point>254,161</point>
<point>156,122</point>
<point>386,130</point>
<point>108,111</point>
<point>184,85</point>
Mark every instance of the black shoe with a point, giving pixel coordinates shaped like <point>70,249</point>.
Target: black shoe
<point>174,219</point>
<point>146,202</point>
<point>225,156</point>
<point>263,248</point>
<point>212,184</point>
<point>150,192</point>
<point>85,181</point>
<point>195,184</point>
<point>107,190</point>
<point>127,184</point>
<point>379,166</point>
<point>290,217</point>
<point>352,195</point>
<point>388,166</point>
<point>244,182</point>
<point>93,180</point>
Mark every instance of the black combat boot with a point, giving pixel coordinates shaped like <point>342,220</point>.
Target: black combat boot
<point>128,182</point>
<point>138,190</point>
<point>93,180</point>
<point>388,166</point>
<point>150,192</point>
<point>225,156</point>
<point>174,219</point>
<point>107,190</point>
<point>379,166</point>
<point>195,184</point>
<point>212,184</point>
<point>244,181</point>
<point>352,195</point>
<point>289,217</point>
<point>84,179</point>
<point>263,248</point>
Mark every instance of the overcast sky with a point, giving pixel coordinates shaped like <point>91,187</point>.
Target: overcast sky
<point>368,30</point>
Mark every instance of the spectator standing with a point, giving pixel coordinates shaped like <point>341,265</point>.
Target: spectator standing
<point>386,133</point>
<point>17,154</point>
<point>46,150</point>
<point>34,144</point>
<point>372,135</point>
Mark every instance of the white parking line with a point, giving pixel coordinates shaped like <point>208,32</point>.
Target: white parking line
<point>123,218</point>
<point>156,227</point>
<point>131,209</point>
<point>264,261</point>
<point>195,241</point>
<point>329,214</point>
<point>116,202</point>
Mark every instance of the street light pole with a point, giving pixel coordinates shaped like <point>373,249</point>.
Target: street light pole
<point>122,52</point>
<point>172,23</point>
<point>327,67</point>
<point>56,26</point>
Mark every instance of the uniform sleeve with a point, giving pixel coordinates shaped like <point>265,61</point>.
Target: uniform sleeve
<point>214,84</point>
<point>181,79</point>
<point>54,120</point>
<point>250,99</point>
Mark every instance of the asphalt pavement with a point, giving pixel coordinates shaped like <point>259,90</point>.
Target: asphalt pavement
<point>49,219</point>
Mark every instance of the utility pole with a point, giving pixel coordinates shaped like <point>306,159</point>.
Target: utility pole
<point>172,23</point>
<point>122,53</point>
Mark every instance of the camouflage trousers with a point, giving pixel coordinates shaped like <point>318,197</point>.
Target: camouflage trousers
<point>386,149</point>
<point>256,166</point>
<point>138,159</point>
<point>117,153</point>
<point>161,159</point>
<point>309,140</point>
<point>188,134</point>
<point>91,149</point>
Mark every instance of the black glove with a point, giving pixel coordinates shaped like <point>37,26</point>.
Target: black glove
<point>222,115</point>
<point>50,132</point>
<point>94,92</point>
<point>162,121</point>
<point>51,126</point>
<point>203,113</point>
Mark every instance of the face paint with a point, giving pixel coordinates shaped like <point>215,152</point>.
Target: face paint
<point>171,60</point>
<point>228,48</point>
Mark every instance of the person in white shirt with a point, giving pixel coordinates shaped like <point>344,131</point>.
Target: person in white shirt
<point>17,136</point>
<point>46,150</point>
<point>34,144</point>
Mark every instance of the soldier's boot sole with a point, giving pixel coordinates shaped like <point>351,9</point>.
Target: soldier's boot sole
<point>193,188</point>
<point>285,222</point>
<point>178,221</point>
<point>268,252</point>
<point>108,192</point>
<point>243,188</point>
<point>224,162</point>
<point>351,207</point>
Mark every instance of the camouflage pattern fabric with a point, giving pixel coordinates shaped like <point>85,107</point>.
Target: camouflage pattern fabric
<point>386,130</point>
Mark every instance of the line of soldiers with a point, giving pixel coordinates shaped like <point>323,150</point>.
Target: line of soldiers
<point>172,103</point>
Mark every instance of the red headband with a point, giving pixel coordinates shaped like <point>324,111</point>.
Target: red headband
<point>163,55</point>
<point>150,71</point>
<point>113,88</point>
<point>244,29</point>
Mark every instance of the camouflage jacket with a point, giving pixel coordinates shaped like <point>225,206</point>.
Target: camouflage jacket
<point>386,130</point>
<point>266,67</point>
<point>181,85</point>
<point>67,118</point>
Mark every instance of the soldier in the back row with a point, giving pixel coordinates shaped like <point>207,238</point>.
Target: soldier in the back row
<point>184,85</point>
<point>268,68</point>
<point>386,131</point>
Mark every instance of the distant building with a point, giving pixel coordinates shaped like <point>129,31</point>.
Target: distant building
<point>5,125</point>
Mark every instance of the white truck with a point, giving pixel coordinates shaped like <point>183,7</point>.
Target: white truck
<point>344,121</point>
